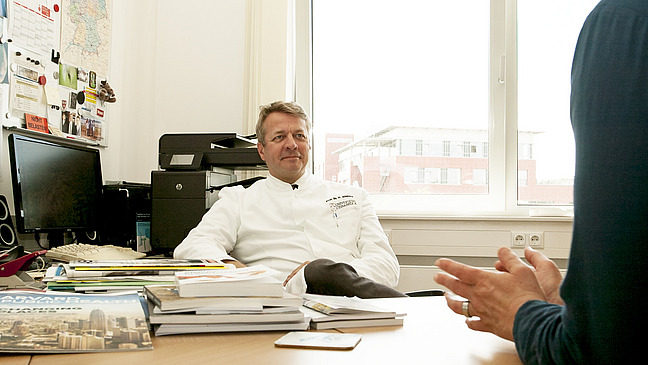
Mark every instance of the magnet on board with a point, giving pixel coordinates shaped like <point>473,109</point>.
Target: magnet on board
<point>56,56</point>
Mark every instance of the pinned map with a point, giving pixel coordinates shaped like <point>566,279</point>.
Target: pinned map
<point>85,34</point>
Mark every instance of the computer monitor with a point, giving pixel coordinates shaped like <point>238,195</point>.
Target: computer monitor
<point>57,187</point>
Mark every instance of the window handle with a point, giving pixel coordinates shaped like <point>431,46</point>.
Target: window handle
<point>502,69</point>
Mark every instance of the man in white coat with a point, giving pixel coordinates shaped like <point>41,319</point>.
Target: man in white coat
<point>323,237</point>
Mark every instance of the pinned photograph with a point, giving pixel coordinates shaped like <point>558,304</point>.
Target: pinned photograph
<point>73,101</point>
<point>82,74</point>
<point>90,129</point>
<point>27,73</point>
<point>68,76</point>
<point>65,122</point>
<point>93,80</point>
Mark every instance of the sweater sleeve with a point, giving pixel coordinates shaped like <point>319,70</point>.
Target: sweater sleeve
<point>541,336</point>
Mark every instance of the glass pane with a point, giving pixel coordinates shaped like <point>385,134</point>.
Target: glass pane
<point>400,93</point>
<point>547,35</point>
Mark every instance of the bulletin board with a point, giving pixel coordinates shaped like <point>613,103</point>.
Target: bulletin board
<point>54,64</point>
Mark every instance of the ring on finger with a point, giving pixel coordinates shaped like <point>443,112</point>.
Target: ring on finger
<point>464,308</point>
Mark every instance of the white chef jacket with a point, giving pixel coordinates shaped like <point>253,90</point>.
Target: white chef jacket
<point>272,224</point>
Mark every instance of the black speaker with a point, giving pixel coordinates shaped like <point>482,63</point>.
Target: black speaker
<point>8,237</point>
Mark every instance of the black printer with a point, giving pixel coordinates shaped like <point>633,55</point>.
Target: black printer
<point>193,168</point>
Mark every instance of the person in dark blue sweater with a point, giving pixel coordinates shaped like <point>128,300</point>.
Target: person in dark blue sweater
<point>594,316</point>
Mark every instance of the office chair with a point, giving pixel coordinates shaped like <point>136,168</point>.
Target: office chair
<point>425,293</point>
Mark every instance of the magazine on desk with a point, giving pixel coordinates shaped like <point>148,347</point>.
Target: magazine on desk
<point>103,268</point>
<point>56,279</point>
<point>35,321</point>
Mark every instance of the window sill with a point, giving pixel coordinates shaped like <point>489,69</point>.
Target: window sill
<point>546,216</point>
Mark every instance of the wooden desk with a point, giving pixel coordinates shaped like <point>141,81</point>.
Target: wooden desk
<point>431,334</point>
<point>14,360</point>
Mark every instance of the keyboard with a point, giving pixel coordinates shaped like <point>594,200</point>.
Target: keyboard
<point>83,251</point>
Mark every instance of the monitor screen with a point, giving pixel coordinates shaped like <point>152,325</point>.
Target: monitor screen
<point>57,185</point>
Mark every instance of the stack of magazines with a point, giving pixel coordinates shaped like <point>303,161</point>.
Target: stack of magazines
<point>100,276</point>
<point>328,312</point>
<point>231,300</point>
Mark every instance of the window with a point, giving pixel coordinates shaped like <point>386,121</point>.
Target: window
<point>427,92</point>
<point>545,139</point>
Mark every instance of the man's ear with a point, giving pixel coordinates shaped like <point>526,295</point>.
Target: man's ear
<point>261,152</point>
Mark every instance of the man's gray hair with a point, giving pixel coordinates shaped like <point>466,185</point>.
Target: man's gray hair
<point>288,107</point>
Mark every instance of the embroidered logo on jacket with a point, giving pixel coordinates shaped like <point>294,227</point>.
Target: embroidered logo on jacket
<point>339,202</point>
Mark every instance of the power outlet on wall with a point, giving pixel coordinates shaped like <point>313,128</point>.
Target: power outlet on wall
<point>536,240</point>
<point>523,239</point>
<point>518,239</point>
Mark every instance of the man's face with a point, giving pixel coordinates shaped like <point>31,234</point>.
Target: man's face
<point>286,146</point>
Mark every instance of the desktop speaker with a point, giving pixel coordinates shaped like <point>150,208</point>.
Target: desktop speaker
<point>8,235</point>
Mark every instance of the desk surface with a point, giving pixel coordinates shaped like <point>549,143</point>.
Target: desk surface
<point>430,331</point>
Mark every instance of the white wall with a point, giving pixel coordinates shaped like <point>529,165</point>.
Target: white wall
<point>419,241</point>
<point>175,68</point>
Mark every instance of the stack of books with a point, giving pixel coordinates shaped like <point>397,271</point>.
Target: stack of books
<point>234,300</point>
<point>328,312</point>
<point>100,276</point>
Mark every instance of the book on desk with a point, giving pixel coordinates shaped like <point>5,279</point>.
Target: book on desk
<point>241,299</point>
<point>257,313</point>
<point>327,312</point>
<point>264,315</point>
<point>166,298</point>
<point>227,300</point>
<point>240,282</point>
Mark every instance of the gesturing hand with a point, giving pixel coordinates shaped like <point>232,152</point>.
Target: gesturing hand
<point>547,273</point>
<point>494,297</point>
